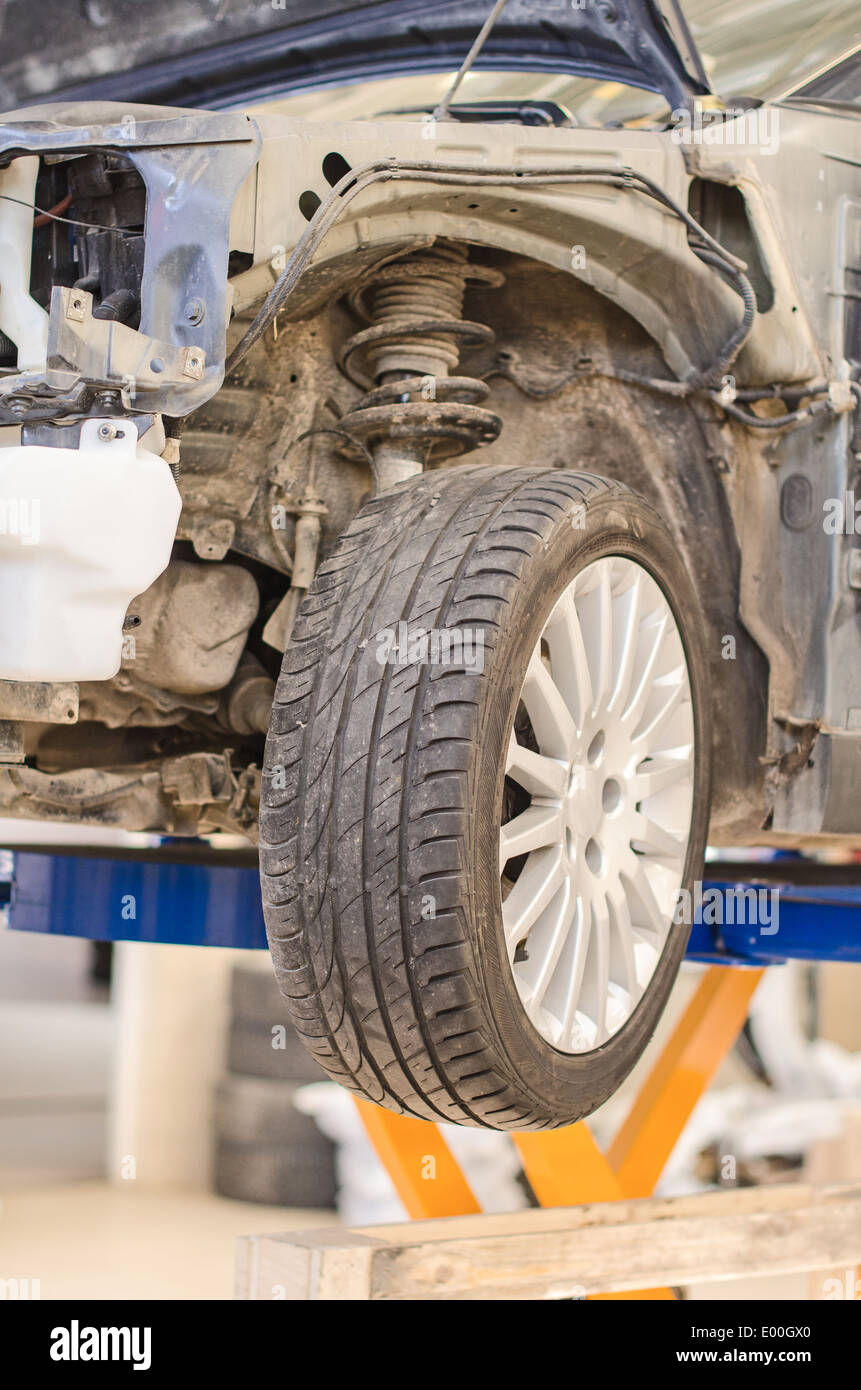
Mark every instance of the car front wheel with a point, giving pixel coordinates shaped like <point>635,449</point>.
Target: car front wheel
<point>486,783</point>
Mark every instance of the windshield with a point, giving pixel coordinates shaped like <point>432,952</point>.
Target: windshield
<point>752,48</point>
<point>765,48</point>
<point>590,102</point>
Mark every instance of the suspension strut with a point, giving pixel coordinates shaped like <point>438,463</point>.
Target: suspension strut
<point>415,413</point>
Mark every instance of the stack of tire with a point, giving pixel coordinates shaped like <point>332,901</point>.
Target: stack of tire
<point>266,1150</point>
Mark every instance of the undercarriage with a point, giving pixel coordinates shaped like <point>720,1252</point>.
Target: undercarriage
<point>297,318</point>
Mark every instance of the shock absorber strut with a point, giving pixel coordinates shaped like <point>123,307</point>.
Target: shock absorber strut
<point>415,413</point>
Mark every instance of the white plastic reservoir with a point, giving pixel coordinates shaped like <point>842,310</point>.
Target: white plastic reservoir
<point>82,532</point>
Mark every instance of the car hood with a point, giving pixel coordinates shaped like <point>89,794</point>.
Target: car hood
<point>223,52</point>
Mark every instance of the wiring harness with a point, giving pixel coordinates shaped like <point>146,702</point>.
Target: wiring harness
<point>703,245</point>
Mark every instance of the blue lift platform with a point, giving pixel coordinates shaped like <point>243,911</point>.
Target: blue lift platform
<point>194,895</point>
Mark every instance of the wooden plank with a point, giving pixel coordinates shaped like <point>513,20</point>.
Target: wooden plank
<point>320,1264</point>
<point>569,1252</point>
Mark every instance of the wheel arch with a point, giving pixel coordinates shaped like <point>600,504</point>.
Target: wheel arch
<point>667,311</point>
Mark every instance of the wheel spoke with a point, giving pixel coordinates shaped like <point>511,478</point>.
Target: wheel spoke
<point>650,919</point>
<point>542,876</point>
<point>661,772</point>
<point>643,689</point>
<point>536,774</point>
<point>568,660</point>
<point>547,710</point>
<point>629,643</point>
<point>600,959</point>
<point>622,939</point>
<point>605,632</point>
<point>583,930</point>
<point>674,699</point>
<point>565,915</point>
<point>655,841</point>
<point>534,828</point>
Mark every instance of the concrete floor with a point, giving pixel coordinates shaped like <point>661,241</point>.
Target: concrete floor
<point>92,1240</point>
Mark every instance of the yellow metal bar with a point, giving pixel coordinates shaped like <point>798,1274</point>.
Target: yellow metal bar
<point>419,1162</point>
<point>681,1074</point>
<point>566,1168</point>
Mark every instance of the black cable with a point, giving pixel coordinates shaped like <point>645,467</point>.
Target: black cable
<point>744,288</point>
<point>70,221</point>
<point>678,389</point>
<point>776,392</point>
<point>342,434</point>
<point>774,422</point>
<point>682,389</point>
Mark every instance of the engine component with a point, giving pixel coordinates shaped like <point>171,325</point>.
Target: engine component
<point>126,702</point>
<point>194,623</point>
<point>182,796</point>
<point>414,412</point>
<point>249,699</point>
<point>11,741</point>
<point>38,703</point>
<point>83,531</point>
<point>309,511</point>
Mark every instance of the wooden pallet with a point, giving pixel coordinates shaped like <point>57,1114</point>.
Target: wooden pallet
<point>564,1252</point>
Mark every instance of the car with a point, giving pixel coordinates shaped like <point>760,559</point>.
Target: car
<point>450,485</point>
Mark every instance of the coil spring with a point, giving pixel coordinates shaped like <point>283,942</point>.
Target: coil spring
<point>403,359</point>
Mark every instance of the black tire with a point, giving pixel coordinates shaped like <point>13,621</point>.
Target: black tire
<point>251,1051</point>
<point>268,1151</point>
<point>262,1041</point>
<point>296,1178</point>
<point>383,784</point>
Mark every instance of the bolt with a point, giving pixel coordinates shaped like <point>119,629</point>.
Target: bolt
<point>195,311</point>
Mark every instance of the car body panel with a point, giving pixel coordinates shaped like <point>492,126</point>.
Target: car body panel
<point>227,202</point>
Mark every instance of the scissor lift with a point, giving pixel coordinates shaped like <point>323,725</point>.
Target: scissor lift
<point>216,902</point>
<point>565,1167</point>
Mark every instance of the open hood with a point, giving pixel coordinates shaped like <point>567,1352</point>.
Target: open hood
<point>214,52</point>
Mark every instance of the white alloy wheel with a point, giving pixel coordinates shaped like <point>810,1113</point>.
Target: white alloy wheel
<point>602,765</point>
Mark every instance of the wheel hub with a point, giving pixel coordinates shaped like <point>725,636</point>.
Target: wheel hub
<point>598,855</point>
